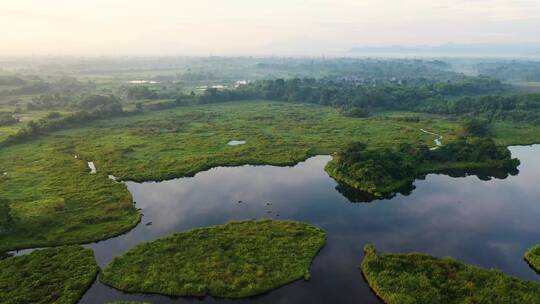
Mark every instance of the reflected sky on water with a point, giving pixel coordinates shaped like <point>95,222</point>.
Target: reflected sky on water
<point>486,223</point>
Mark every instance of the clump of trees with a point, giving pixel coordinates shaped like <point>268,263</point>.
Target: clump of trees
<point>465,97</point>
<point>53,115</point>
<point>474,150</point>
<point>359,99</point>
<point>519,107</point>
<point>101,104</point>
<point>386,170</point>
<point>49,102</point>
<point>511,70</point>
<point>475,127</point>
<point>140,92</point>
<point>377,171</point>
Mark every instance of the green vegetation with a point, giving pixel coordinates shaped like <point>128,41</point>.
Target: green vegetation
<point>382,172</point>
<point>514,70</point>
<point>356,96</point>
<point>186,140</point>
<point>465,97</point>
<point>54,275</point>
<point>476,127</point>
<point>532,256</point>
<point>170,123</point>
<point>45,183</point>
<point>7,119</point>
<point>423,279</point>
<point>239,259</point>
<point>49,198</point>
<point>94,107</point>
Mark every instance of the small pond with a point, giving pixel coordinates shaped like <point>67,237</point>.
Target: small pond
<point>486,223</point>
<point>236,142</point>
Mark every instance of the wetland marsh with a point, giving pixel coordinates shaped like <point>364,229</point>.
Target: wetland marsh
<point>484,223</point>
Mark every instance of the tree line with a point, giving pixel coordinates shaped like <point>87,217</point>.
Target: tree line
<point>93,107</point>
<point>469,96</point>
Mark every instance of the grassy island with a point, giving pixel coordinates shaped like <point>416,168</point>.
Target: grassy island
<point>382,172</point>
<point>54,275</point>
<point>532,256</point>
<point>417,278</point>
<point>235,260</point>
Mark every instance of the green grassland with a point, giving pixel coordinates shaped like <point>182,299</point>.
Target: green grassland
<point>186,140</point>
<point>54,200</point>
<point>532,256</point>
<point>239,259</point>
<point>423,279</point>
<point>53,275</point>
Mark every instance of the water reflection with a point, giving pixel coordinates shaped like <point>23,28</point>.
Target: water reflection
<point>357,196</point>
<point>487,223</point>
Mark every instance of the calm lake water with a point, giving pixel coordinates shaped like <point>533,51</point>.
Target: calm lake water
<point>486,223</point>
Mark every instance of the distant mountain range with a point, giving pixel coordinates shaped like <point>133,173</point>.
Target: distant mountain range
<point>477,49</point>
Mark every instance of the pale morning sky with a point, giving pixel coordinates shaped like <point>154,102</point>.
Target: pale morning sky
<point>240,27</point>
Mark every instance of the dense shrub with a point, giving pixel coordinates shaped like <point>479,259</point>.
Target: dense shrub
<point>386,170</point>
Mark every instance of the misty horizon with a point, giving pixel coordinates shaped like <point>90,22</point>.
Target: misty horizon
<point>240,28</point>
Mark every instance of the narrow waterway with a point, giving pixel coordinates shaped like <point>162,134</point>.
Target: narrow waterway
<point>437,141</point>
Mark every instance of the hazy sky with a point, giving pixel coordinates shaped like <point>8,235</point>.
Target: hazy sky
<point>227,27</point>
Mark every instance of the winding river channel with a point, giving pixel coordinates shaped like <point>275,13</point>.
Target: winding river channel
<point>486,223</point>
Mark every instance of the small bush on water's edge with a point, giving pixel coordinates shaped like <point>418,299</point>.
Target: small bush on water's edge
<point>235,260</point>
<point>532,256</point>
<point>53,275</point>
<point>423,279</point>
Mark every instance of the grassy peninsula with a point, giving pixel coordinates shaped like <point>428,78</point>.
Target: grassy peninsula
<point>423,279</point>
<point>53,275</point>
<point>235,260</point>
<point>383,172</point>
<point>532,256</point>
